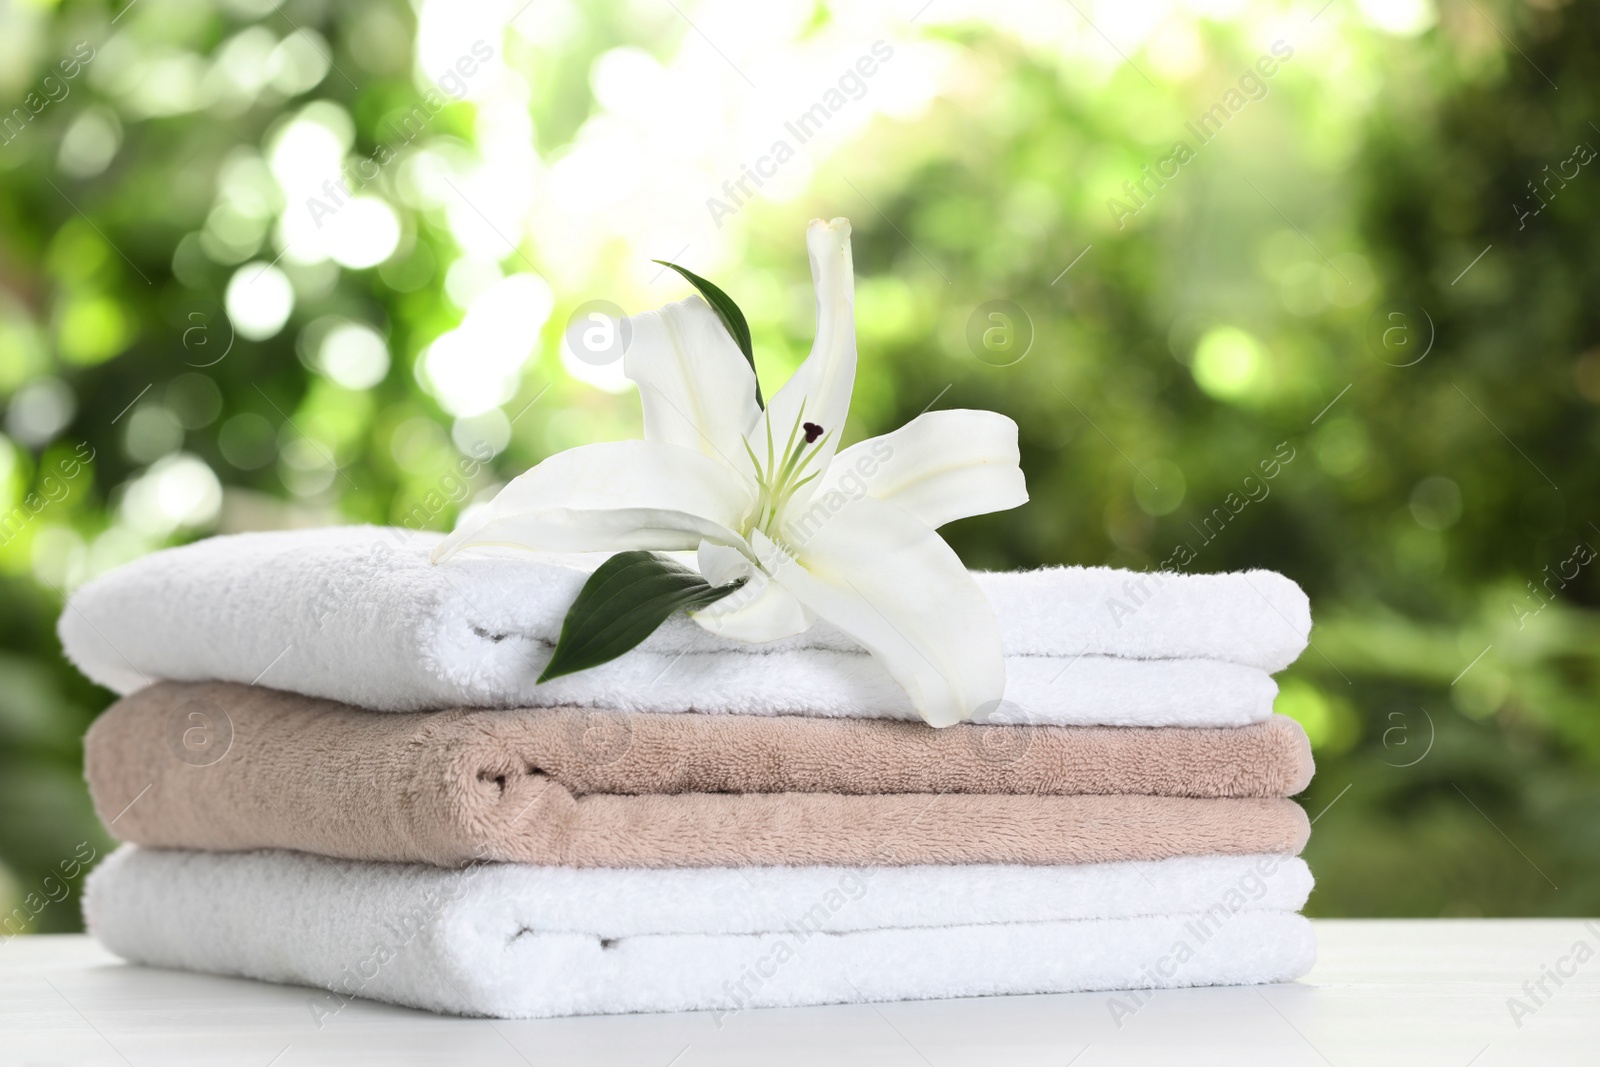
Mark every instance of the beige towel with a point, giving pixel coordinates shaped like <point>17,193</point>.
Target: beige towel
<point>220,766</point>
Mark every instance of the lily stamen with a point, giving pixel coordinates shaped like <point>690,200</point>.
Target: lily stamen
<point>780,478</point>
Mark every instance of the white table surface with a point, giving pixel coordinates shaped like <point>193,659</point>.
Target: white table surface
<point>1404,992</point>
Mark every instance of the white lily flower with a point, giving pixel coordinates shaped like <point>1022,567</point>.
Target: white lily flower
<point>846,536</point>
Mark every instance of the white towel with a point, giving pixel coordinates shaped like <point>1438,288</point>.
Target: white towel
<point>519,942</point>
<point>358,614</point>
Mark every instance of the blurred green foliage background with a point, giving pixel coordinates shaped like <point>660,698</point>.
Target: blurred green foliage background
<point>201,331</point>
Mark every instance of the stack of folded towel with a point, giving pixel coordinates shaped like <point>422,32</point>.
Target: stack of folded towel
<point>334,768</point>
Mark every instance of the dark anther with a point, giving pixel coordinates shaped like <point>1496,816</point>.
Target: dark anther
<point>813,431</point>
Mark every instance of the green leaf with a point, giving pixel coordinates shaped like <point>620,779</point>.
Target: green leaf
<point>730,315</point>
<point>621,604</point>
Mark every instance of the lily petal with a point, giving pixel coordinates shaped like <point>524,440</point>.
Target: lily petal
<point>696,387</point>
<point>610,497</point>
<point>941,466</point>
<point>759,610</point>
<point>890,582</point>
<point>823,383</point>
<point>721,564</point>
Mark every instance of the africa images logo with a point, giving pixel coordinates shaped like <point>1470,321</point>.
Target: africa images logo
<point>1252,86</point>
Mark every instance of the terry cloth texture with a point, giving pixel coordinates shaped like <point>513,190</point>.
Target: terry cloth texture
<point>518,942</point>
<point>358,614</point>
<point>276,738</point>
<point>172,767</point>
